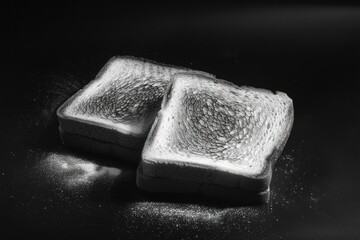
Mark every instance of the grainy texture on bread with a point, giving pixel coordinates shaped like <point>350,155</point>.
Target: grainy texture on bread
<point>214,132</point>
<point>120,105</point>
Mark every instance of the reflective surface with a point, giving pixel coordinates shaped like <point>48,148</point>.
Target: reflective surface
<point>51,192</point>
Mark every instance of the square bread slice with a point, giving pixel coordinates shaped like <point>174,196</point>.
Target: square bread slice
<point>113,113</point>
<point>211,134</point>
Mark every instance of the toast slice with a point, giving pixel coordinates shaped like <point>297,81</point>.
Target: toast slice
<point>113,113</point>
<point>210,132</point>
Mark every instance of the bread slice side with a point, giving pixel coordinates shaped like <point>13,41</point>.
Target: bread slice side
<point>120,104</point>
<point>218,192</point>
<point>159,159</point>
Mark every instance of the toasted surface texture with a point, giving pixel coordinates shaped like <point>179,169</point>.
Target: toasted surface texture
<point>120,105</point>
<point>212,131</point>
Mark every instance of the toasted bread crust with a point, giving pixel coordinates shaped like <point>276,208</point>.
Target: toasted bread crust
<point>218,192</point>
<point>131,155</point>
<point>97,130</point>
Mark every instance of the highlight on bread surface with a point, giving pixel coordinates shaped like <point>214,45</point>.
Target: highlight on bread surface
<point>121,103</point>
<point>125,94</point>
<point>212,131</point>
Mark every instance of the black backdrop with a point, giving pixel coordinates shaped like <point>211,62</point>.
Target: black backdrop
<point>311,52</point>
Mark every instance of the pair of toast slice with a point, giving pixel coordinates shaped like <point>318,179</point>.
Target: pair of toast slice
<point>208,136</point>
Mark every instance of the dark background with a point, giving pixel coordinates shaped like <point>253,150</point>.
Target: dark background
<point>311,52</point>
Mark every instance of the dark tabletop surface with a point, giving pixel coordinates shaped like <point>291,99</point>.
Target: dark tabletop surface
<point>310,52</point>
